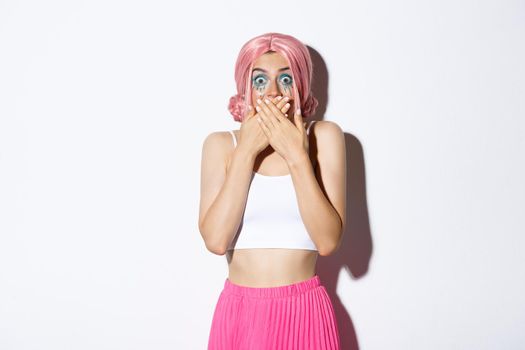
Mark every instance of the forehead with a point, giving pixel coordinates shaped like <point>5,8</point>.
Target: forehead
<point>271,61</point>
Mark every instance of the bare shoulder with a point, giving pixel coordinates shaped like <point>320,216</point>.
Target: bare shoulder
<point>221,139</point>
<point>328,135</point>
<point>217,146</point>
<point>330,147</point>
<point>218,138</point>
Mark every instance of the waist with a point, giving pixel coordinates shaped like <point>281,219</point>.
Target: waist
<point>283,290</point>
<point>265,267</point>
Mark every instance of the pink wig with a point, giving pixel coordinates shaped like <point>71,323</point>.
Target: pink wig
<point>299,61</point>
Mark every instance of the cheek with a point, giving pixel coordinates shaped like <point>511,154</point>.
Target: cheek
<point>288,91</point>
<point>259,89</point>
<point>255,95</point>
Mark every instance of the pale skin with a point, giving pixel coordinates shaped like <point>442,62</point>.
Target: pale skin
<point>273,141</point>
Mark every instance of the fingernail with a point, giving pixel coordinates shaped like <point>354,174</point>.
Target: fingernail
<point>266,100</point>
<point>258,108</point>
<point>298,110</point>
<point>258,101</point>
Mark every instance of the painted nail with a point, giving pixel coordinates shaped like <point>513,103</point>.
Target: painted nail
<point>258,101</point>
<point>287,105</point>
<point>286,98</point>
<point>266,100</point>
<point>279,98</point>
<point>258,108</point>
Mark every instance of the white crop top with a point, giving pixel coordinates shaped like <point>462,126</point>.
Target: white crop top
<point>271,217</point>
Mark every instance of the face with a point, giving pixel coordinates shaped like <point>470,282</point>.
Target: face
<point>271,77</point>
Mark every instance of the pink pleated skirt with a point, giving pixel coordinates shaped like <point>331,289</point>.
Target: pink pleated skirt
<point>294,316</point>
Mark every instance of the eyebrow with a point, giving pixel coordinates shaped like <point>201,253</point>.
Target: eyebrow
<point>285,68</point>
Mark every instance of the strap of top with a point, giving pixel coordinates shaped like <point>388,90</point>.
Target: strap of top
<point>309,126</point>
<point>235,139</point>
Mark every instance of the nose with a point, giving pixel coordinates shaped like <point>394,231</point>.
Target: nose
<point>273,89</point>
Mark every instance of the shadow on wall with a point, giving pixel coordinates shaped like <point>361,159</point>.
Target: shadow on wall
<point>355,251</point>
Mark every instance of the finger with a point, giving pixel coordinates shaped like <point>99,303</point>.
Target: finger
<point>274,110</point>
<point>266,114</point>
<point>298,120</point>
<point>250,113</point>
<point>285,109</point>
<point>283,101</point>
<point>262,124</point>
<point>278,101</point>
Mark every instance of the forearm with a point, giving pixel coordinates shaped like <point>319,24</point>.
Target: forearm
<point>224,215</point>
<point>319,216</point>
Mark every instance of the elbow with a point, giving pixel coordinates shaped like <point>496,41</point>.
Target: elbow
<point>328,251</point>
<point>212,245</point>
<point>331,247</point>
<point>216,249</point>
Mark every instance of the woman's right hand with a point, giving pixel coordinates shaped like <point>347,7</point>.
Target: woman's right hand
<point>252,137</point>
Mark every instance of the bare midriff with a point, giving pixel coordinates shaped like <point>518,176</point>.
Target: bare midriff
<point>270,267</point>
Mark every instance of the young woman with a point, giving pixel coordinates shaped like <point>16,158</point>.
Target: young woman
<point>272,200</point>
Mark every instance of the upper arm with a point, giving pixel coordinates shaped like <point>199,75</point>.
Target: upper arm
<point>213,171</point>
<point>331,165</point>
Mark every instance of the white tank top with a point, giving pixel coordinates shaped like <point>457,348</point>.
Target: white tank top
<point>271,217</point>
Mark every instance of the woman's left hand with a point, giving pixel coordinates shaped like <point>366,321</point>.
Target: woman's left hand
<point>286,138</point>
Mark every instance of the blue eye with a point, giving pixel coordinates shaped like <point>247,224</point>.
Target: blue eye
<point>286,79</point>
<point>259,80</point>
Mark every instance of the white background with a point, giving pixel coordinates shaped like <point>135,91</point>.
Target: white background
<point>104,106</point>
